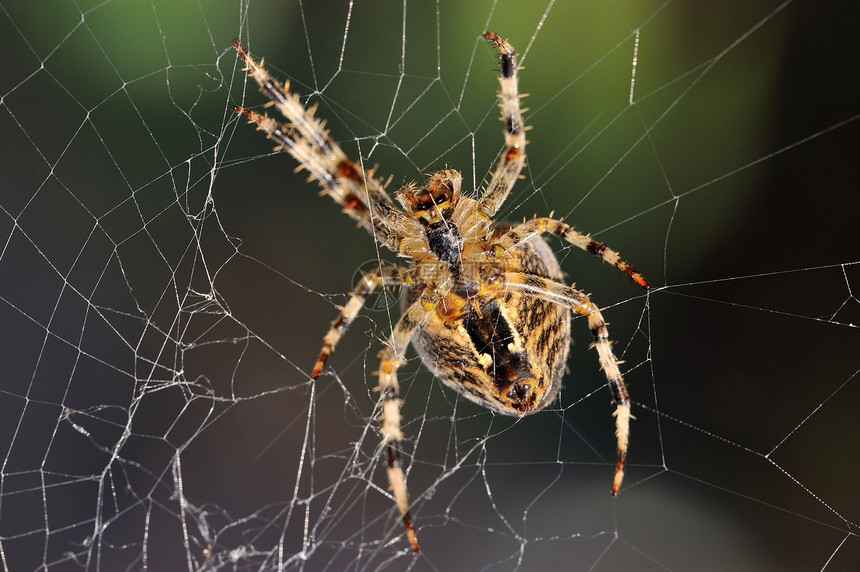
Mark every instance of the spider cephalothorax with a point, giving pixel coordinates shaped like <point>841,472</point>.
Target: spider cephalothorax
<point>485,303</point>
<point>437,208</point>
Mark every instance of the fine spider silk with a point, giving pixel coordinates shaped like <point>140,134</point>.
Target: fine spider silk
<point>487,308</point>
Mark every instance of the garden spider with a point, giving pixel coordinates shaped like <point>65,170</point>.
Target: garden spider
<point>486,304</point>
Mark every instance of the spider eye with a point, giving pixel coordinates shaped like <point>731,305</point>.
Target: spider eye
<point>426,199</point>
<point>442,193</point>
<point>423,202</point>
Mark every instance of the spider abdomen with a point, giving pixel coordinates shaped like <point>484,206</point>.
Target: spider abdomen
<point>508,352</point>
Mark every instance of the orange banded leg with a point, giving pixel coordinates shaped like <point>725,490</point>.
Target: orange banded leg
<point>386,275</point>
<point>512,159</point>
<point>523,231</point>
<point>305,138</point>
<point>580,303</point>
<point>391,357</point>
<point>288,104</point>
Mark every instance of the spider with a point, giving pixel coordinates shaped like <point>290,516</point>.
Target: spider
<point>486,305</point>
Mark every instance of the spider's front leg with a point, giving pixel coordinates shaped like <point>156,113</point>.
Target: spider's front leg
<point>512,159</point>
<point>580,303</point>
<point>385,275</point>
<point>303,136</point>
<point>389,402</point>
<point>524,231</point>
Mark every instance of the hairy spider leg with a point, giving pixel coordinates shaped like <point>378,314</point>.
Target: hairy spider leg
<point>305,138</point>
<point>580,303</point>
<point>536,226</point>
<point>512,158</point>
<point>391,358</point>
<point>385,275</point>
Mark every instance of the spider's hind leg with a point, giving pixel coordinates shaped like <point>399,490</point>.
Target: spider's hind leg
<point>580,303</point>
<point>391,357</point>
<point>389,390</point>
<point>385,275</point>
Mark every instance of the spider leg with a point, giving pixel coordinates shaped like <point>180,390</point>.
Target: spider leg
<point>512,158</point>
<point>580,303</point>
<point>385,275</point>
<point>524,231</point>
<point>391,357</point>
<point>305,138</point>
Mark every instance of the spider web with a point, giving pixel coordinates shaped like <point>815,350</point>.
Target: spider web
<point>165,281</point>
